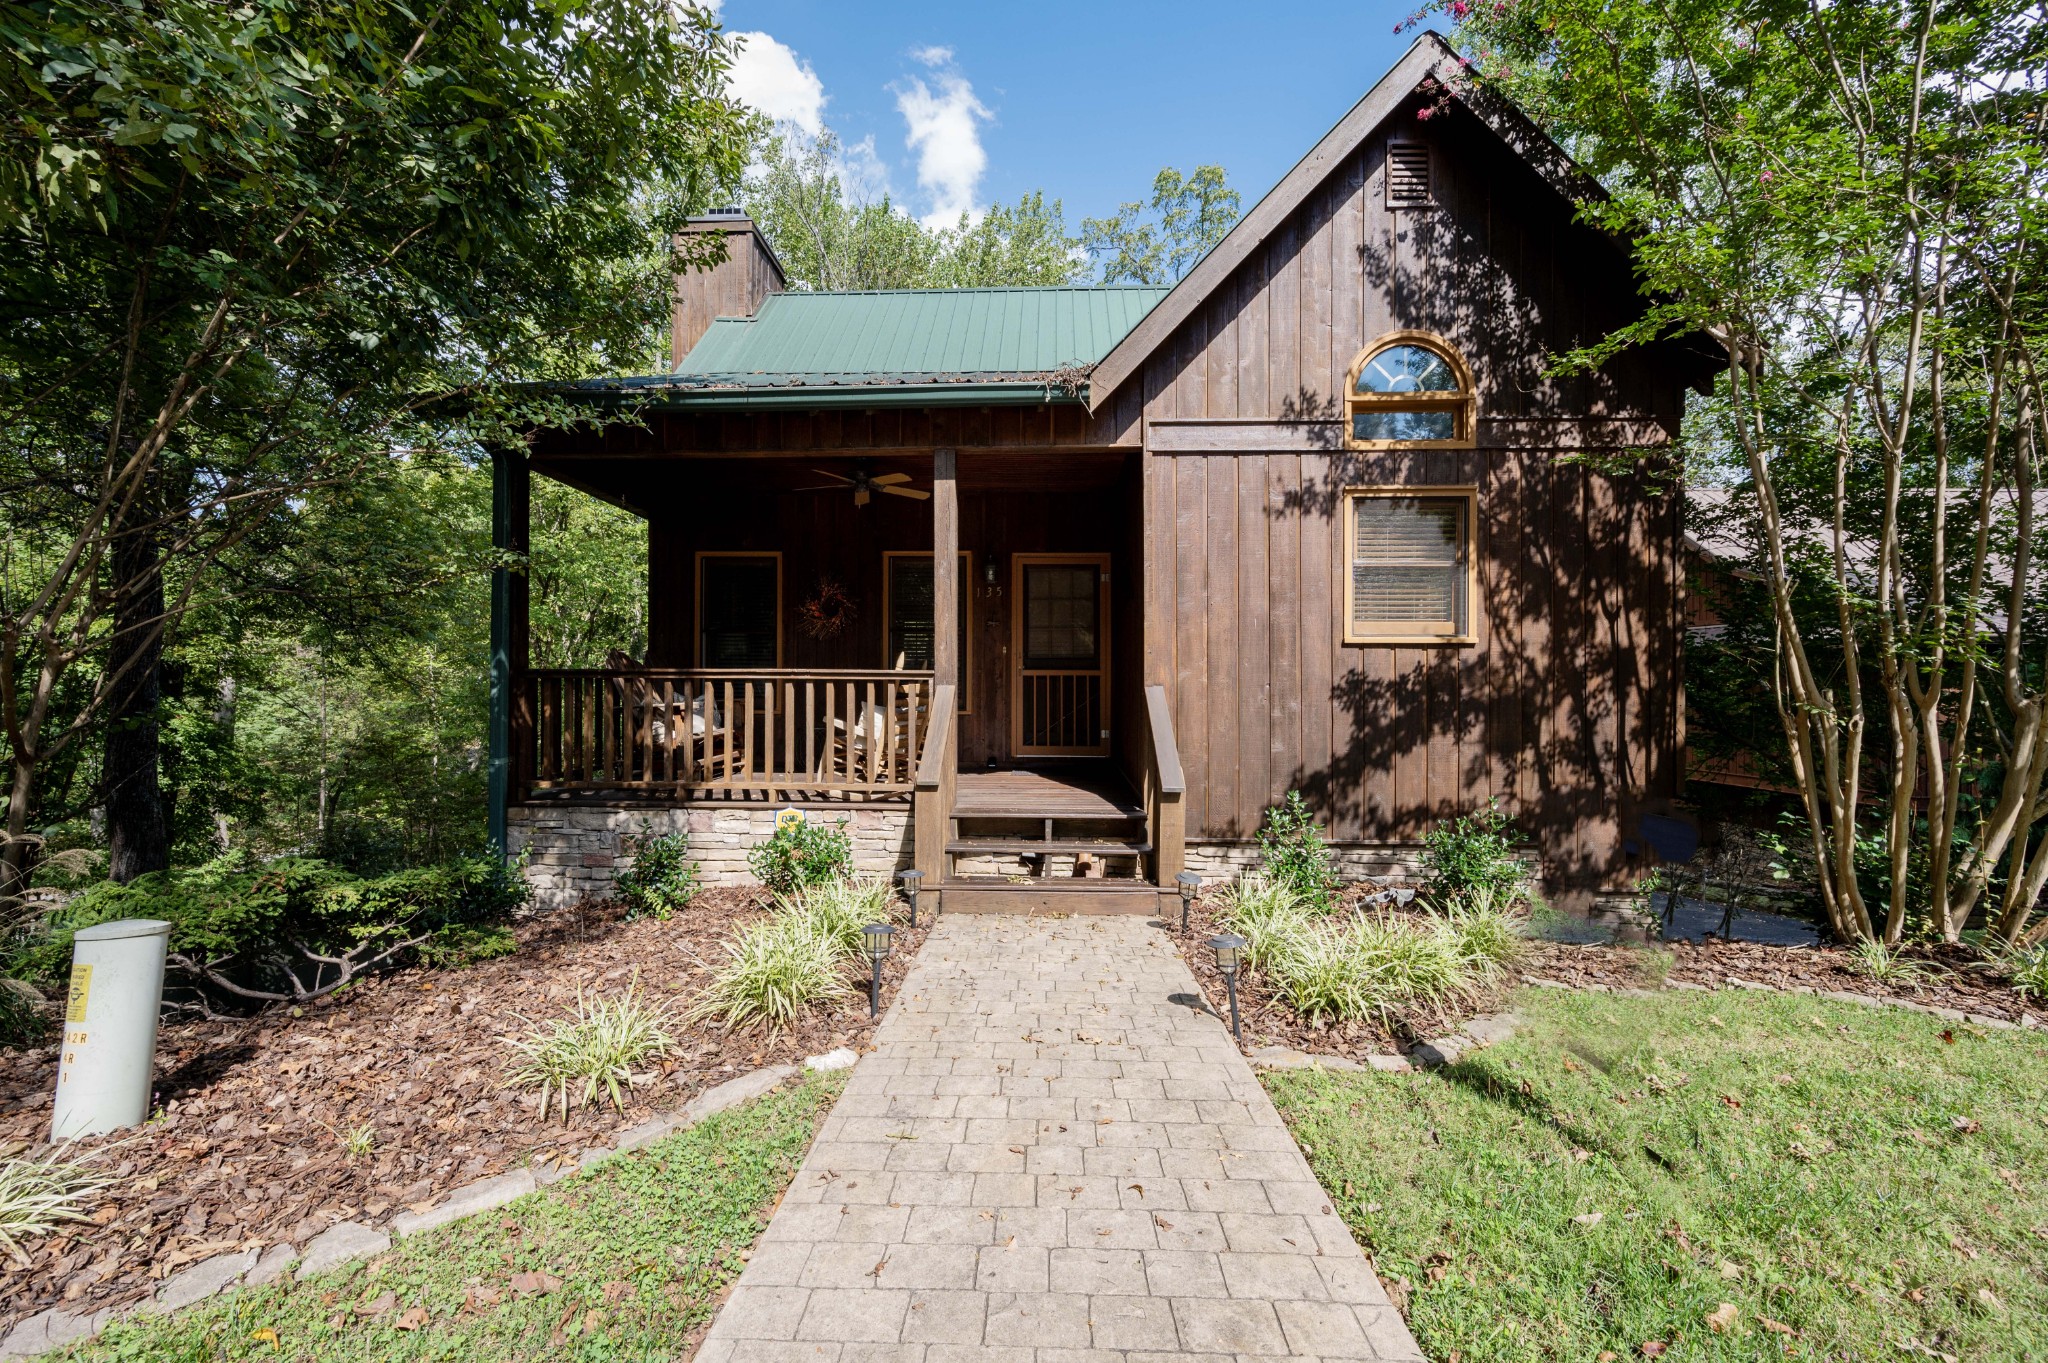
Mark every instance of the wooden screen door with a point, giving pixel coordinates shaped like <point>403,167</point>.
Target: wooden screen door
<point>1059,655</point>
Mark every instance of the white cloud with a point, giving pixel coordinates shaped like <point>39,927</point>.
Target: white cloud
<point>768,76</point>
<point>942,125</point>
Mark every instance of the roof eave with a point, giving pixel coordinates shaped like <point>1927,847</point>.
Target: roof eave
<point>804,396</point>
<point>1426,57</point>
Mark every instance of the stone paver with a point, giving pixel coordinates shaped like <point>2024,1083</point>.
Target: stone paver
<point>1048,1159</point>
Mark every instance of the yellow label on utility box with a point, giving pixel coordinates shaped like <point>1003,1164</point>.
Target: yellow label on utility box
<point>81,991</point>
<point>788,818</point>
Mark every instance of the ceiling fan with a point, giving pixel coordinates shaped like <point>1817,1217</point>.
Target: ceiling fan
<point>865,484</point>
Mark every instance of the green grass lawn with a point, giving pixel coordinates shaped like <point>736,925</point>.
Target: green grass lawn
<point>620,1263</point>
<point>1855,1184</point>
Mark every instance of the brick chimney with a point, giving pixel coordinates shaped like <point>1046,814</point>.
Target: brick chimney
<point>734,288</point>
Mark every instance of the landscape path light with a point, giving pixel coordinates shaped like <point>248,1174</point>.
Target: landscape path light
<point>911,880</point>
<point>1190,885</point>
<point>876,936</point>
<point>1229,950</point>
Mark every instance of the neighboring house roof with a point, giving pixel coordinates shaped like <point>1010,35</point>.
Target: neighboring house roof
<point>1429,59</point>
<point>928,346</point>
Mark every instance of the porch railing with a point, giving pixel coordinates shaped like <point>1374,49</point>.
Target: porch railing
<point>727,734</point>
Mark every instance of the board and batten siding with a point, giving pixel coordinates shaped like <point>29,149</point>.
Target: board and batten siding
<point>1567,706</point>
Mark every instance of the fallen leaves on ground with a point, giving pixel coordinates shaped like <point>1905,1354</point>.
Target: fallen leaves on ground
<point>248,1149</point>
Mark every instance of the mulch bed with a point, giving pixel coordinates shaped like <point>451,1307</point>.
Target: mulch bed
<point>248,1149</point>
<point>1956,978</point>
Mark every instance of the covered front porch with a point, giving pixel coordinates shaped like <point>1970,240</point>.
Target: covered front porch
<point>942,649</point>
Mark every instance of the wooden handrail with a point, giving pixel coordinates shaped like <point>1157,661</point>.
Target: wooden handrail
<point>1165,785</point>
<point>938,741</point>
<point>1165,750</point>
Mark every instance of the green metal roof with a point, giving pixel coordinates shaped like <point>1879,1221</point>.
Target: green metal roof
<point>896,334</point>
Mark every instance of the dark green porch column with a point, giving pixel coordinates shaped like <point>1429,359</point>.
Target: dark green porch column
<point>509,736</point>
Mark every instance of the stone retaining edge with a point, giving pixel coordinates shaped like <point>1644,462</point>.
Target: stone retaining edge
<point>347,1241</point>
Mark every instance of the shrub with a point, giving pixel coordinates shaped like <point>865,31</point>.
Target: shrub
<point>773,970</point>
<point>662,877</point>
<point>1292,852</point>
<point>801,855</point>
<point>460,945</point>
<point>1267,914</point>
<point>289,931</point>
<point>1471,852</point>
<point>24,1020</point>
<point>38,1192</point>
<point>596,1046</point>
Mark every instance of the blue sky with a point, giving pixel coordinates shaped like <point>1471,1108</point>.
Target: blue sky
<point>961,104</point>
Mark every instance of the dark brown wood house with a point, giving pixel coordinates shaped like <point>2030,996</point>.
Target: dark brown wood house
<point>1055,591</point>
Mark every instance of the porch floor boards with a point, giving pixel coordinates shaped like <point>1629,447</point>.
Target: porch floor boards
<point>1080,790</point>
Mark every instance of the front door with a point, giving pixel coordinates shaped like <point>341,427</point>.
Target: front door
<point>1059,654</point>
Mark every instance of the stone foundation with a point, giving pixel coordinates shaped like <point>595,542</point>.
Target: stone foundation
<point>1218,863</point>
<point>575,852</point>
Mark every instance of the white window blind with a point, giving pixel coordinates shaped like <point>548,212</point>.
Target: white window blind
<point>1408,565</point>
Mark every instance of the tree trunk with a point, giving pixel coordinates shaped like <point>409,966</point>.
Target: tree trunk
<point>138,835</point>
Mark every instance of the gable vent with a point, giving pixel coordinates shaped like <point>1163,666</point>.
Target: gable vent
<point>1407,174</point>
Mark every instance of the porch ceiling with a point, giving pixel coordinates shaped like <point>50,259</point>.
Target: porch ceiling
<point>636,484</point>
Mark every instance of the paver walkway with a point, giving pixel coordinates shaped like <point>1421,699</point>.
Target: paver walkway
<point>1048,1159</point>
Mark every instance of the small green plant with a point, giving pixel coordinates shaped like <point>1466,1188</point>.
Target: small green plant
<point>460,945</point>
<point>2029,970</point>
<point>773,970</point>
<point>1266,913</point>
<point>24,1020</point>
<point>38,1192</point>
<point>1651,965</point>
<point>1325,977</point>
<point>800,855</point>
<point>358,1142</point>
<point>1292,852</point>
<point>595,1047</point>
<point>1887,965</point>
<point>662,877</point>
<point>1471,852</point>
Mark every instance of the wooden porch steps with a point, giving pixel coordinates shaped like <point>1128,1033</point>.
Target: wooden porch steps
<point>1058,847</point>
<point>971,894</point>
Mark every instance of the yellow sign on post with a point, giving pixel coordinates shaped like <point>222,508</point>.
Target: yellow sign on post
<point>81,992</point>
<point>788,818</point>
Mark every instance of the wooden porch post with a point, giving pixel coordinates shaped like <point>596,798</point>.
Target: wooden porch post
<point>945,571</point>
<point>511,728</point>
<point>931,812</point>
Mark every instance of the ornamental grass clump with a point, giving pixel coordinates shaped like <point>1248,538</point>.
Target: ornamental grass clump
<point>595,1047</point>
<point>2029,970</point>
<point>38,1192</point>
<point>1487,931</point>
<point>838,909</point>
<point>773,970</point>
<point>1268,914</point>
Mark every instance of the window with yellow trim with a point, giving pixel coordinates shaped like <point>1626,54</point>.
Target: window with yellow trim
<point>1410,573</point>
<point>1409,390</point>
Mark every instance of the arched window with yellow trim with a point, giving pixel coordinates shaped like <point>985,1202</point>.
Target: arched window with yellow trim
<point>1409,390</point>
